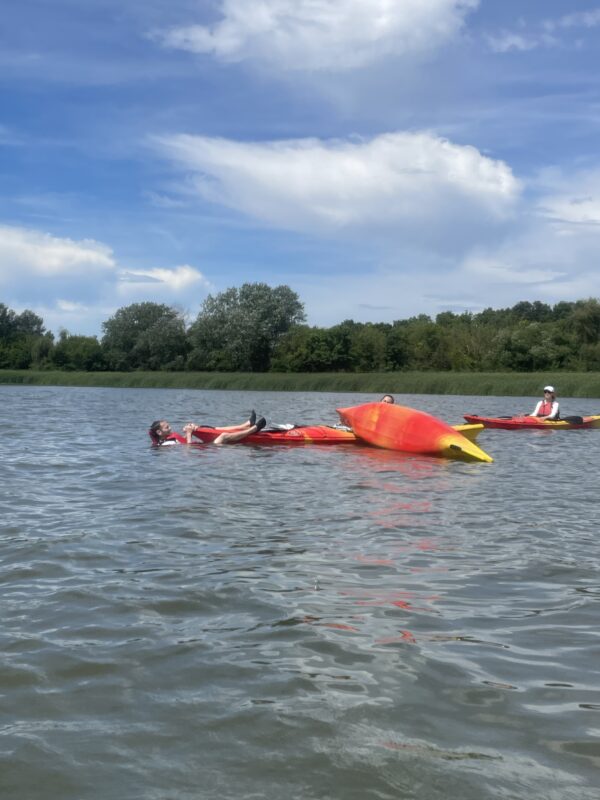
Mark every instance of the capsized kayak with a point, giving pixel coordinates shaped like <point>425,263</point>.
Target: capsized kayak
<point>534,423</point>
<point>396,427</point>
<point>292,434</point>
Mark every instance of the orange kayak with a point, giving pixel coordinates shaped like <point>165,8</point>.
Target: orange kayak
<point>301,434</point>
<point>396,427</point>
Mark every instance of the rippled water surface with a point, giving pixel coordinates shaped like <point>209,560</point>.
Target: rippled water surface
<point>312,622</point>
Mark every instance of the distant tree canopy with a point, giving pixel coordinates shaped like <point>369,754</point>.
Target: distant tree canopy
<point>20,336</point>
<point>145,336</point>
<point>78,353</point>
<point>238,330</point>
<point>258,328</point>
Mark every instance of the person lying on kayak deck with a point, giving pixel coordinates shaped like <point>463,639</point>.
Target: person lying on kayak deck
<point>548,407</point>
<point>387,398</point>
<point>161,433</point>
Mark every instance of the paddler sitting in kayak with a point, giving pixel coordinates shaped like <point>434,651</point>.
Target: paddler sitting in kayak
<point>161,433</point>
<point>548,407</point>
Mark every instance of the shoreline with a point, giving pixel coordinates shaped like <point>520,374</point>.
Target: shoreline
<point>508,384</point>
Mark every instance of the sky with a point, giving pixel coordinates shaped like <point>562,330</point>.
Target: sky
<point>383,158</point>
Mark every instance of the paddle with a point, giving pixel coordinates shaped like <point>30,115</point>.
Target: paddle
<point>573,420</point>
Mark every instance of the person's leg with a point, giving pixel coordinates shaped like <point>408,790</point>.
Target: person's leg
<point>250,423</point>
<point>238,435</point>
<point>242,427</point>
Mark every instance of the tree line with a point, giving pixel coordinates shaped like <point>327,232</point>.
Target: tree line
<point>257,328</point>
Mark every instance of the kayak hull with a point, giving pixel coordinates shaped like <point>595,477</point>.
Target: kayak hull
<point>302,434</point>
<point>396,427</point>
<point>534,423</point>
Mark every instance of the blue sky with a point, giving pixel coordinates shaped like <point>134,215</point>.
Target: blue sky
<point>384,158</point>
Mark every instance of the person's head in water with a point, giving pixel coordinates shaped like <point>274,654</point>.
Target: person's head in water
<point>387,398</point>
<point>159,430</point>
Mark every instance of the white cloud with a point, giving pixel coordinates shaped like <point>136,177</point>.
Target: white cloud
<point>79,284</point>
<point>175,280</point>
<point>575,209</point>
<point>162,200</point>
<point>533,263</point>
<point>515,271</point>
<point>413,185</point>
<point>26,251</point>
<point>573,200</point>
<point>70,307</point>
<point>323,34</point>
<point>549,253</point>
<point>505,41</point>
<point>545,34</point>
<point>551,257</point>
<point>579,19</point>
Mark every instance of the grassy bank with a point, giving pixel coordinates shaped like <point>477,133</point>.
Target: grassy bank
<point>568,384</point>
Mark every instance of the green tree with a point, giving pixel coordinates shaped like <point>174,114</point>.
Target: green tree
<point>78,353</point>
<point>239,329</point>
<point>29,324</point>
<point>41,351</point>
<point>7,323</point>
<point>586,321</point>
<point>144,336</point>
<point>19,335</point>
<point>532,312</point>
<point>369,349</point>
<point>163,345</point>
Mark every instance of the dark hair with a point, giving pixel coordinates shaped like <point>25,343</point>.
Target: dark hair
<point>153,431</point>
<point>387,395</point>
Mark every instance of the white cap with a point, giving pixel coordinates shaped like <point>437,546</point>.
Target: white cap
<point>549,389</point>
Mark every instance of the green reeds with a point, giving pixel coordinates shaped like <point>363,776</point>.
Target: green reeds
<point>568,384</point>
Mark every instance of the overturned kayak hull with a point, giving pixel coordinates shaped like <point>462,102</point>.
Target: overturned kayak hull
<point>525,423</point>
<point>396,427</point>
<point>302,434</point>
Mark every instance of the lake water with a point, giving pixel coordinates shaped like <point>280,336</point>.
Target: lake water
<point>313,622</point>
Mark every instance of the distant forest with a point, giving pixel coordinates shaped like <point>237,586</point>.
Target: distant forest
<point>257,328</point>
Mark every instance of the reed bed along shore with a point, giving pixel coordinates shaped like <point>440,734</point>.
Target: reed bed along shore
<point>515,384</point>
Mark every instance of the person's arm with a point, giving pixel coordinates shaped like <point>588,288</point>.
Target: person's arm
<point>554,411</point>
<point>187,429</point>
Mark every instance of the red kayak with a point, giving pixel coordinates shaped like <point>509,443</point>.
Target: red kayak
<point>535,423</point>
<point>298,434</point>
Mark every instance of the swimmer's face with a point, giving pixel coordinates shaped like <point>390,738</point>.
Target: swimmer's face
<point>387,398</point>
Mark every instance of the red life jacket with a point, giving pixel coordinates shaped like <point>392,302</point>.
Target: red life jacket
<point>545,409</point>
<point>172,437</point>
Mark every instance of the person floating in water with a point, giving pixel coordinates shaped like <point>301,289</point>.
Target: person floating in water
<point>548,407</point>
<point>162,434</point>
<point>387,398</point>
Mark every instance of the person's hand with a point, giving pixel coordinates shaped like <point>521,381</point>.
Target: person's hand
<point>189,427</point>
